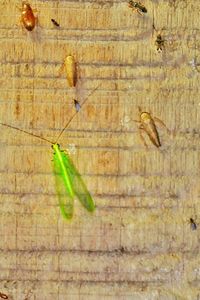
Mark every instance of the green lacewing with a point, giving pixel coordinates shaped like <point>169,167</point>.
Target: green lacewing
<point>69,183</point>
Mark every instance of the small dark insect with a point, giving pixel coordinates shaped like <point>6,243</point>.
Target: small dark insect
<point>159,43</point>
<point>77,105</point>
<point>137,6</point>
<point>55,23</point>
<point>122,249</point>
<point>193,224</point>
<point>3,296</point>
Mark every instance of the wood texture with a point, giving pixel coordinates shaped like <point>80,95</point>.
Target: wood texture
<point>139,244</point>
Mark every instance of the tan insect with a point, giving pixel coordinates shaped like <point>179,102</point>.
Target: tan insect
<point>147,124</point>
<point>70,68</point>
<point>28,19</point>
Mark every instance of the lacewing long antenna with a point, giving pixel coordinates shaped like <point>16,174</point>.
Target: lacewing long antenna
<point>72,117</point>
<point>45,139</point>
<point>24,131</point>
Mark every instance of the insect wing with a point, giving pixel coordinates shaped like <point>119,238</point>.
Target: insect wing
<point>65,194</point>
<point>193,226</point>
<point>79,186</point>
<point>77,105</point>
<point>71,71</point>
<point>152,132</point>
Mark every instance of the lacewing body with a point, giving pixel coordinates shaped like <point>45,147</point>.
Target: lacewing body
<point>69,184</point>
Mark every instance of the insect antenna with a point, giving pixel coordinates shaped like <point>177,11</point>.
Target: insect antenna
<point>24,131</point>
<point>72,117</point>
<point>45,139</point>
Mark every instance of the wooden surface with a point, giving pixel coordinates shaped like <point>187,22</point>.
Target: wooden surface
<point>138,245</point>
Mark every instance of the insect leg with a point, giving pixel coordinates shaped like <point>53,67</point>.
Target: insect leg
<point>139,12</point>
<point>20,23</point>
<point>36,20</point>
<point>133,9</point>
<point>131,6</point>
<point>18,7</point>
<point>162,124</point>
<point>136,121</point>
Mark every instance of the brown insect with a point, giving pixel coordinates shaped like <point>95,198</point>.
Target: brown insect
<point>55,23</point>
<point>159,42</point>
<point>147,124</point>
<point>27,16</point>
<point>137,6</point>
<point>69,66</point>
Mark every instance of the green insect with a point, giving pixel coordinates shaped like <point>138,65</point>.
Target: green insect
<point>69,183</point>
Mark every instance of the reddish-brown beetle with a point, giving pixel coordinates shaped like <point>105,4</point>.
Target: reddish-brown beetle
<point>28,19</point>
